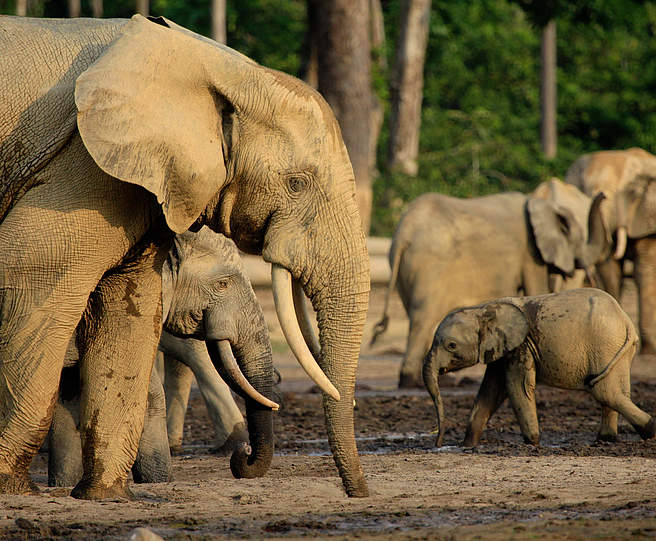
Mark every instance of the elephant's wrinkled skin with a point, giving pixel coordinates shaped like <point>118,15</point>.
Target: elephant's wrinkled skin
<point>114,135</point>
<point>449,252</point>
<point>206,292</point>
<point>628,179</point>
<point>579,339</point>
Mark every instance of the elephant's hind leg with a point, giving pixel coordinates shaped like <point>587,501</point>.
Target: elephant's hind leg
<point>121,329</point>
<point>608,428</point>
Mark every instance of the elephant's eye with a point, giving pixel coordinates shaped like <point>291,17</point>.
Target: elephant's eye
<point>297,183</point>
<point>222,284</point>
<point>451,345</point>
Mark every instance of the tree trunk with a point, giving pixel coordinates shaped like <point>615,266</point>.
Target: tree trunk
<point>407,86</point>
<point>379,59</point>
<point>309,70</point>
<point>74,8</point>
<point>219,21</point>
<point>344,61</point>
<point>142,7</point>
<point>21,8</point>
<point>548,90</point>
<point>97,8</point>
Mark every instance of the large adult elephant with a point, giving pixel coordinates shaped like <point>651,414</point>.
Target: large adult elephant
<point>449,252</point>
<point>114,135</point>
<point>628,178</point>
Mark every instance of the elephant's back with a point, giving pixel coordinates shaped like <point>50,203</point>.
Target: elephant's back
<point>604,171</point>
<point>41,61</point>
<point>470,249</point>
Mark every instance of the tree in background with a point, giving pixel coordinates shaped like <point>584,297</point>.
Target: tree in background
<point>74,8</point>
<point>219,21</point>
<point>407,86</point>
<point>344,76</point>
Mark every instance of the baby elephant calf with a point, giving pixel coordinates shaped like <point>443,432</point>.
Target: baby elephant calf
<point>578,339</point>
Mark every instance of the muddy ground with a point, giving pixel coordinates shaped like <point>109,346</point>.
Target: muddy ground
<point>567,488</point>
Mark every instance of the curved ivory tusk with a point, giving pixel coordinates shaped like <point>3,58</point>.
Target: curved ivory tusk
<point>620,246</point>
<point>282,295</point>
<point>304,319</point>
<point>231,366</point>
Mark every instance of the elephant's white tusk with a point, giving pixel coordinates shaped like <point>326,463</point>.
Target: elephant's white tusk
<point>620,246</point>
<point>304,319</point>
<point>231,366</point>
<point>282,296</point>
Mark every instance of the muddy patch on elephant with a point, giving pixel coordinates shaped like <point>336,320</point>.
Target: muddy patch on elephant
<point>569,487</point>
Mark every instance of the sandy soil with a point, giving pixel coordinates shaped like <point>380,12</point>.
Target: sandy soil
<point>567,488</point>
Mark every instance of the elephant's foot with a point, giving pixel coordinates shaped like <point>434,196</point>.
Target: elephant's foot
<point>471,439</point>
<point>17,484</point>
<point>85,490</point>
<point>532,439</point>
<point>648,431</point>
<point>411,381</point>
<point>237,438</point>
<point>607,437</point>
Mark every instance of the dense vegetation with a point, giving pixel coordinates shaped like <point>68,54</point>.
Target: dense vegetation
<point>481,114</point>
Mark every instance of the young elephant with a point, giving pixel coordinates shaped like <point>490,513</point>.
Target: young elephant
<point>449,252</point>
<point>206,294</point>
<point>578,339</point>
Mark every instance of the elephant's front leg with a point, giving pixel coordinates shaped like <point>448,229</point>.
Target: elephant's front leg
<point>520,384</point>
<point>491,395</point>
<point>121,330</point>
<point>645,277</point>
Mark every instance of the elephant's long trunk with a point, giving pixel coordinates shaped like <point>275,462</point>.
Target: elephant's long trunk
<point>430,380</point>
<point>341,309</point>
<point>255,361</point>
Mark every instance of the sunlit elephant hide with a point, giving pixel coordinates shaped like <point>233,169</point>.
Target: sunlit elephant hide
<point>114,136</point>
<point>449,252</point>
<point>628,179</point>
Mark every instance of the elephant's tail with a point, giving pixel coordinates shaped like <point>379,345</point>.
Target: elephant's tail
<point>381,326</point>
<point>592,381</point>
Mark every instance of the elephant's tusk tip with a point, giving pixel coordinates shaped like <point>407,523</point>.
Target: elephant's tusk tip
<point>334,394</point>
<point>275,407</point>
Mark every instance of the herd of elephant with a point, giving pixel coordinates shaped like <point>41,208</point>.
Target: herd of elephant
<point>449,254</point>
<point>132,150</point>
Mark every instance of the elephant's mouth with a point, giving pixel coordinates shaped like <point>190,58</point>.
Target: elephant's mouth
<point>442,371</point>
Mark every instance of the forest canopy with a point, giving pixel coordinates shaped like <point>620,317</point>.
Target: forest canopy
<point>480,130</point>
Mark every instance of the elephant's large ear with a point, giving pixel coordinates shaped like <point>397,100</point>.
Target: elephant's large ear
<point>148,115</point>
<point>502,328</point>
<point>556,232</point>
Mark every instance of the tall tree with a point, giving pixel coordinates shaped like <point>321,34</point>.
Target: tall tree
<point>143,7</point>
<point>344,75</point>
<point>407,86</point>
<point>97,8</point>
<point>74,8</point>
<point>548,90</point>
<point>21,8</point>
<point>219,20</point>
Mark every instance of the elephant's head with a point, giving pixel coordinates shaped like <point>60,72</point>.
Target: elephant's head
<point>479,334</point>
<point>207,295</point>
<point>254,154</point>
<point>568,228</point>
<point>628,179</point>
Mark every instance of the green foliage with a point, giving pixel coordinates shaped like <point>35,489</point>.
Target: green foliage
<point>481,111</point>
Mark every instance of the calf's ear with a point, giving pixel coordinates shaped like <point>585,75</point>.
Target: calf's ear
<point>502,328</point>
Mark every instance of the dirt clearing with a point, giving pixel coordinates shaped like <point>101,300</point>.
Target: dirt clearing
<point>567,488</point>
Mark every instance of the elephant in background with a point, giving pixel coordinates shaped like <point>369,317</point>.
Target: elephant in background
<point>114,136</point>
<point>628,179</point>
<point>449,252</point>
<point>206,294</point>
<point>579,339</point>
